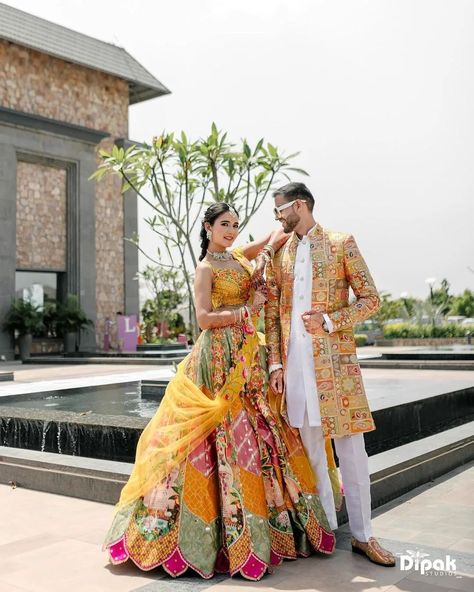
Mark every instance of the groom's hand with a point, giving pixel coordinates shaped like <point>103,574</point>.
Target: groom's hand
<point>313,322</point>
<point>276,380</point>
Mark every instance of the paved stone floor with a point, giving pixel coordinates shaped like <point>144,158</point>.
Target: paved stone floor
<point>50,542</point>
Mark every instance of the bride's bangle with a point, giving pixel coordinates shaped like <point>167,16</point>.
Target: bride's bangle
<point>270,249</point>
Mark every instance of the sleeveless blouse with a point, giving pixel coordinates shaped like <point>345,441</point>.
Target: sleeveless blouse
<point>231,287</point>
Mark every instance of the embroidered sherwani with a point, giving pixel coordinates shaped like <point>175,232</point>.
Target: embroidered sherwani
<point>336,264</point>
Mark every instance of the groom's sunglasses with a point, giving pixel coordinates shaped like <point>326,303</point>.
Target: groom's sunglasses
<point>279,209</point>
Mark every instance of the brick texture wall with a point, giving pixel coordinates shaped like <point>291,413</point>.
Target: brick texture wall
<point>36,83</point>
<point>40,217</point>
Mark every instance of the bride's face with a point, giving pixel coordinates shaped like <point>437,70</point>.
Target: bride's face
<point>224,231</point>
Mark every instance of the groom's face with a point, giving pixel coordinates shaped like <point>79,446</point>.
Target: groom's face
<point>288,217</point>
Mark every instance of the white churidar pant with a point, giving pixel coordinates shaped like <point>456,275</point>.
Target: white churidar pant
<point>304,413</point>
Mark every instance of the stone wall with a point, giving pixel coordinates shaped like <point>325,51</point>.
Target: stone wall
<point>40,217</point>
<point>39,84</point>
<point>110,252</point>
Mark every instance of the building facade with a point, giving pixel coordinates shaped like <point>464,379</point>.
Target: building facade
<point>63,96</point>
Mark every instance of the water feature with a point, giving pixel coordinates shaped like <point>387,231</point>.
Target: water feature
<point>124,399</point>
<point>440,352</point>
<point>105,422</point>
<point>98,422</point>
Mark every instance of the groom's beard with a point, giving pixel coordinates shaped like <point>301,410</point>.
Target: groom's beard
<point>290,223</point>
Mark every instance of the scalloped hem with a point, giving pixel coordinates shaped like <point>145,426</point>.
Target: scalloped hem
<point>175,565</point>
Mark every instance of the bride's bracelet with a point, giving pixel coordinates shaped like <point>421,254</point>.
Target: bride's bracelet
<point>270,250</point>
<point>237,314</point>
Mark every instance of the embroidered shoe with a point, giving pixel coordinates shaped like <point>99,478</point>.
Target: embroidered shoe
<point>373,551</point>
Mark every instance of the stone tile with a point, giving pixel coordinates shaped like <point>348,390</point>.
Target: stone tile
<point>341,572</point>
<point>434,538</point>
<point>73,565</point>
<point>23,545</point>
<point>6,587</point>
<point>461,582</point>
<point>183,584</point>
<point>465,545</point>
<point>406,585</point>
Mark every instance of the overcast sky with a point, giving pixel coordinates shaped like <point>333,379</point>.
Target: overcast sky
<point>377,95</point>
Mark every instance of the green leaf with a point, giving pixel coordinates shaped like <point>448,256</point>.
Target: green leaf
<point>125,186</point>
<point>272,150</point>
<point>258,147</point>
<point>300,171</point>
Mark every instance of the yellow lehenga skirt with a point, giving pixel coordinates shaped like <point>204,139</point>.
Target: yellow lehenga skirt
<point>220,483</point>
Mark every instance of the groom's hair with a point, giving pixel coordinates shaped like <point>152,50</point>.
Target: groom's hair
<point>296,191</point>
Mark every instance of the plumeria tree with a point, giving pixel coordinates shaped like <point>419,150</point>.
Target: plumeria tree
<point>166,287</point>
<point>178,178</point>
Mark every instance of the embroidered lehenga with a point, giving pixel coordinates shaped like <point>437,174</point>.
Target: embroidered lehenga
<point>220,482</point>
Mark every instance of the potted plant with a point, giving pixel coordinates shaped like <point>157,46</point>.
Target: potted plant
<point>70,319</point>
<point>24,318</point>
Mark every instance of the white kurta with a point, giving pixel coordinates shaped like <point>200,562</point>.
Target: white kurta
<point>300,379</point>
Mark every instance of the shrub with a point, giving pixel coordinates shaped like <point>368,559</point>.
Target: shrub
<point>360,339</point>
<point>411,331</point>
<point>24,317</point>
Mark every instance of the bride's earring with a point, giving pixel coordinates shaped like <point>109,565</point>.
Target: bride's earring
<point>209,235</point>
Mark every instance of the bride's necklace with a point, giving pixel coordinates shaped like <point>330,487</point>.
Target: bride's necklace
<point>220,255</point>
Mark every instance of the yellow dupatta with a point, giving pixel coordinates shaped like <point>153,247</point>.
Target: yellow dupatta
<point>185,417</point>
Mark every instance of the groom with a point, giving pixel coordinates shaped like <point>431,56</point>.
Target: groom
<point>312,354</point>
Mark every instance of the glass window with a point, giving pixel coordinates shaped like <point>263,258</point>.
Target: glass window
<point>36,286</point>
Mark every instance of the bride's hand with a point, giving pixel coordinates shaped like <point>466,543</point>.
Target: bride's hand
<point>257,276</point>
<point>259,299</point>
<point>279,238</point>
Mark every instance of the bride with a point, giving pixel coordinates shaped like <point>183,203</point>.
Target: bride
<point>220,482</point>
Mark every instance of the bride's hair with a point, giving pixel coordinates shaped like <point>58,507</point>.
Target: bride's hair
<point>211,214</point>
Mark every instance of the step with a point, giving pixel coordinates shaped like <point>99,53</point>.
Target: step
<point>461,353</point>
<point>4,376</point>
<point>415,419</point>
<point>393,472</point>
<point>74,476</point>
<point>59,360</point>
<point>418,364</point>
<point>155,388</point>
